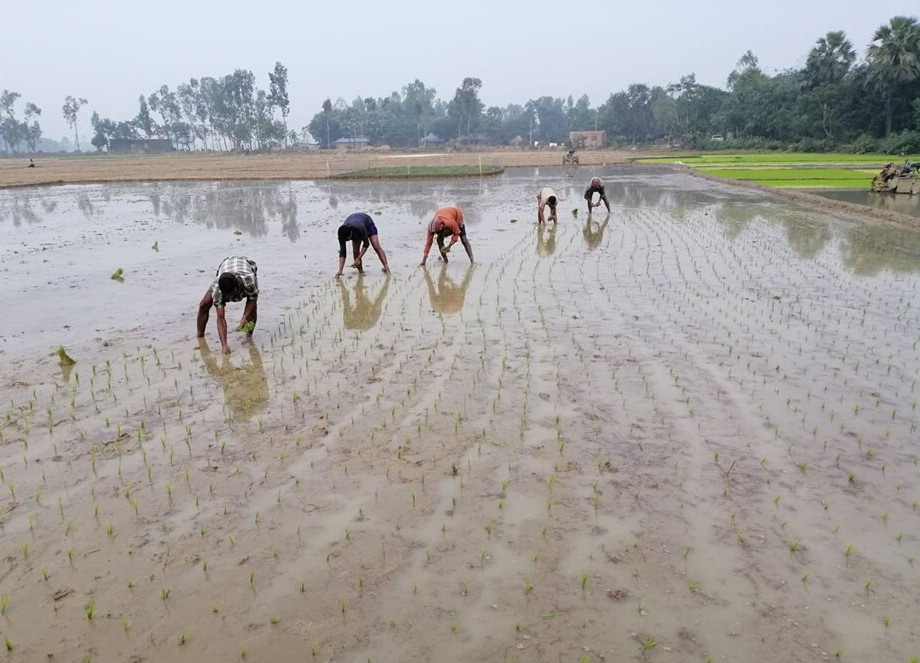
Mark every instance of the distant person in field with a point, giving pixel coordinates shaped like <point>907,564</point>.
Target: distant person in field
<point>361,230</point>
<point>546,197</point>
<point>446,221</point>
<point>236,280</point>
<point>596,185</point>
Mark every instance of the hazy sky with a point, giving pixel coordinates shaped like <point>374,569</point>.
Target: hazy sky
<point>111,51</point>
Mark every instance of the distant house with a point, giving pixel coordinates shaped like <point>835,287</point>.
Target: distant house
<point>431,140</point>
<point>590,140</point>
<point>137,146</point>
<point>517,141</point>
<point>356,141</point>
<point>473,139</point>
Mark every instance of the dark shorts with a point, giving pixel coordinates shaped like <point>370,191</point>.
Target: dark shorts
<point>371,229</point>
<point>446,233</point>
<point>590,192</point>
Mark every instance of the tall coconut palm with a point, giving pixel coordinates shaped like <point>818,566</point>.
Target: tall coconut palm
<point>894,58</point>
<point>830,59</point>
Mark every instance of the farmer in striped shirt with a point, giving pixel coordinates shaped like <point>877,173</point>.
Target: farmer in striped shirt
<point>236,280</point>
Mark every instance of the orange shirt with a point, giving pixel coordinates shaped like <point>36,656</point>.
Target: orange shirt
<point>450,218</point>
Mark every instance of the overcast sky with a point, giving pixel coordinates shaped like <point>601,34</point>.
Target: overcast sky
<point>110,51</point>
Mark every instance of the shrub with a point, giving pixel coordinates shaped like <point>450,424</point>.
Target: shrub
<point>906,142</point>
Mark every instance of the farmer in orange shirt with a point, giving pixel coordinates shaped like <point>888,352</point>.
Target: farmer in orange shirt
<point>447,221</point>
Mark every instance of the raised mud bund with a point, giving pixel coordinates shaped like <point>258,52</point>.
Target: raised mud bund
<point>690,434</point>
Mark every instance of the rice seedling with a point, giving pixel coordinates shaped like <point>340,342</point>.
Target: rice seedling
<point>648,643</point>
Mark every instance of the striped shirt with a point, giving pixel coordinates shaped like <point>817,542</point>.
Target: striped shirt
<point>244,270</point>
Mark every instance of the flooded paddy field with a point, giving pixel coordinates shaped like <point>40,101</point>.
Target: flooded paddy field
<point>685,431</point>
<point>901,203</point>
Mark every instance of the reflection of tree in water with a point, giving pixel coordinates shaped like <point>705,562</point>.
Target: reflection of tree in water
<point>546,243</point>
<point>365,313</point>
<point>422,208</point>
<point>245,387</point>
<point>247,208</point>
<point>593,232</point>
<point>21,208</point>
<point>447,297</point>
<point>288,212</point>
<point>806,236</point>
<point>86,205</point>
<point>734,217</point>
<point>867,250</point>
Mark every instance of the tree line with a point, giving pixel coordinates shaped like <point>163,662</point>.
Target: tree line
<point>836,100</point>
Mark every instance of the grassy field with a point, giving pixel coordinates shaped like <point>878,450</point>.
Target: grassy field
<point>412,172</point>
<point>797,178</point>
<point>788,171</point>
<point>780,159</point>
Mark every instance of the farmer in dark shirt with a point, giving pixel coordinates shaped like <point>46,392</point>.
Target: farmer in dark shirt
<point>360,229</point>
<point>596,185</point>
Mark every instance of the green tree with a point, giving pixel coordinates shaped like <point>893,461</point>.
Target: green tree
<point>581,117</point>
<point>143,120</point>
<point>552,120</point>
<point>830,59</point>
<point>466,107</point>
<point>894,58</point>
<point>327,112</point>
<point>33,131</point>
<point>277,89</point>
<point>10,127</point>
<point>71,111</point>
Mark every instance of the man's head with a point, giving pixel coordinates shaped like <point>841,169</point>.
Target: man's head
<point>229,285</point>
<point>436,226</point>
<point>596,183</point>
<point>551,201</point>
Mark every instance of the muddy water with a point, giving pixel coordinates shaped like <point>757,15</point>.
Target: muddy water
<point>688,427</point>
<point>902,203</point>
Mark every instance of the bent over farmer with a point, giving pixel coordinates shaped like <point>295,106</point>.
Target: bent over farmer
<point>446,221</point>
<point>236,280</point>
<point>546,197</point>
<point>361,230</point>
<point>596,185</point>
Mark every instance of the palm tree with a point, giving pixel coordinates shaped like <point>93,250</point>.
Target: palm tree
<point>894,58</point>
<point>830,59</point>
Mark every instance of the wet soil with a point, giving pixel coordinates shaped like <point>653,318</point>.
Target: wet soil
<point>688,427</point>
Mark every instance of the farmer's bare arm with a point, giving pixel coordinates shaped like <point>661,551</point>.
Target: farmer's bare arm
<point>222,329</point>
<point>204,310</point>
<point>249,313</point>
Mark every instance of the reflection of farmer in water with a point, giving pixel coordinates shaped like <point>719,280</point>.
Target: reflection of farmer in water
<point>360,229</point>
<point>546,246</point>
<point>365,313</point>
<point>594,231</point>
<point>446,221</point>
<point>596,185</point>
<point>245,387</point>
<point>448,297</point>
<point>236,279</point>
